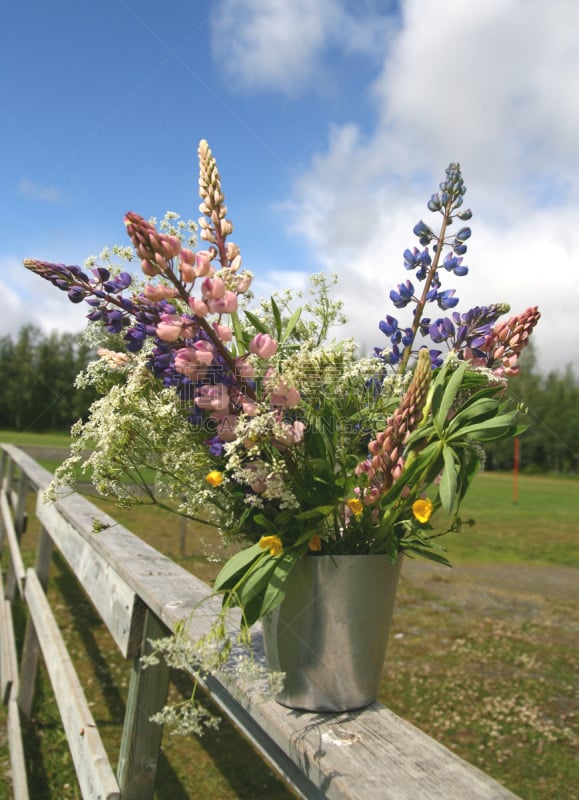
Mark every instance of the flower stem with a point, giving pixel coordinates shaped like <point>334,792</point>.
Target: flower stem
<point>419,310</point>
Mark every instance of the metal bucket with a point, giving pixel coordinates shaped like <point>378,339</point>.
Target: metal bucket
<point>330,633</point>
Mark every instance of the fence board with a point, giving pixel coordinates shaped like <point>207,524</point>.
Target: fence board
<point>17,759</point>
<point>17,571</point>
<point>117,604</point>
<point>141,740</point>
<point>95,776</point>
<point>38,477</point>
<point>31,648</point>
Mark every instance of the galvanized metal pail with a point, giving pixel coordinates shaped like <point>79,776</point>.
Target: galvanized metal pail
<point>330,633</point>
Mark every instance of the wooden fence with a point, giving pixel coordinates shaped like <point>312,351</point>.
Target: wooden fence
<point>140,594</point>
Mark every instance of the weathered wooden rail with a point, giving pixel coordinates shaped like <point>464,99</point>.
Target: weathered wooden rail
<point>140,594</point>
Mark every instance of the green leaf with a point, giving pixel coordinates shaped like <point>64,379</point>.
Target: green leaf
<point>257,323</point>
<point>292,322</point>
<point>236,566</point>
<point>276,588</point>
<point>501,427</point>
<point>256,580</point>
<point>277,319</point>
<point>240,337</point>
<point>449,395</point>
<point>447,487</point>
<point>482,409</point>
<point>319,511</point>
<point>426,552</point>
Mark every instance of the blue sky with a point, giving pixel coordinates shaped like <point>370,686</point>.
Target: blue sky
<point>332,122</point>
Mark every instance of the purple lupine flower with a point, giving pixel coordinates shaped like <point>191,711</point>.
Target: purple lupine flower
<point>404,295</point>
<point>452,263</point>
<point>446,299</point>
<point>424,232</point>
<point>441,330</point>
<point>411,258</point>
<point>425,262</point>
<point>435,358</point>
<point>388,326</point>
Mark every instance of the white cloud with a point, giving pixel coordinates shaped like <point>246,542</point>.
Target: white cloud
<point>43,193</point>
<point>489,85</point>
<point>36,302</point>
<point>275,44</point>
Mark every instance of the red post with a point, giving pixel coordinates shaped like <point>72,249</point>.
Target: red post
<point>515,470</point>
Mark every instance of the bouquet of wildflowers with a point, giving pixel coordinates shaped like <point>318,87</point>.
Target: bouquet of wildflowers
<point>251,418</point>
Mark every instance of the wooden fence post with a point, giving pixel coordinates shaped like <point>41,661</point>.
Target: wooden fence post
<point>31,647</point>
<point>19,517</point>
<point>141,741</point>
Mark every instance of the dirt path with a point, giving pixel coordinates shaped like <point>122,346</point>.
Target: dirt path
<point>519,591</point>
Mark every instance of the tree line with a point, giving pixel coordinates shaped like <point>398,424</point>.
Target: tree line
<point>37,393</point>
<point>38,371</point>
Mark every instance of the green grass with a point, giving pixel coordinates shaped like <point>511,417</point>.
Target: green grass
<point>54,439</point>
<point>542,527</point>
<point>481,660</point>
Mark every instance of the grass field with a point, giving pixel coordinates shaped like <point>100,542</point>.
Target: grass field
<point>482,657</point>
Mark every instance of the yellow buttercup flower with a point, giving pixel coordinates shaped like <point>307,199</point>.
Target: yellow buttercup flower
<point>422,509</point>
<point>355,505</point>
<point>271,543</point>
<point>214,477</point>
<point>315,544</point>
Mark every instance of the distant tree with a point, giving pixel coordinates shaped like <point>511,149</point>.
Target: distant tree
<point>551,444</point>
<point>38,371</point>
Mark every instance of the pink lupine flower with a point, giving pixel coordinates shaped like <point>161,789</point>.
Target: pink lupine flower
<point>223,332</point>
<point>188,256</point>
<point>292,434</point>
<point>169,328</point>
<point>149,269</point>
<point>263,345</point>
<point>187,272</point>
<point>161,262</point>
<point>243,283</point>
<point>204,352</point>
<point>158,292</point>
<point>243,369</point>
<point>193,361</point>
<point>213,288</point>
<point>203,264</point>
<point>198,307</point>
<point>284,396</point>
<point>223,305</point>
<point>215,397</point>
<point>170,246</point>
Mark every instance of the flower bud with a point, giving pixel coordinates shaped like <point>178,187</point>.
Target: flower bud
<point>263,345</point>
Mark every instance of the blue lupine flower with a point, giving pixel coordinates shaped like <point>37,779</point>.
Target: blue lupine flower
<point>434,203</point>
<point>101,273</point>
<point>452,263</point>
<point>388,326</point>
<point>411,258</point>
<point>76,295</point>
<point>424,232</point>
<point>403,296</point>
<point>446,299</point>
<point>435,358</point>
<point>441,330</point>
